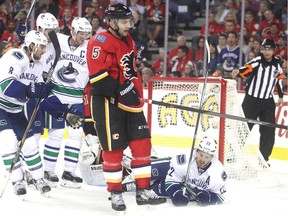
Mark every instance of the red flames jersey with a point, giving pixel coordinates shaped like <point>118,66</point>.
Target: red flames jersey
<point>108,55</point>
<point>86,102</point>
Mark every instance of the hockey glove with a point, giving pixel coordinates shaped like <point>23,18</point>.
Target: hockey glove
<point>179,199</point>
<point>74,121</point>
<point>38,90</point>
<point>129,93</point>
<point>74,117</point>
<point>21,30</point>
<point>203,197</point>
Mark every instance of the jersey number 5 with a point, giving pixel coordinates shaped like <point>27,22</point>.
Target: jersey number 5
<point>96,52</point>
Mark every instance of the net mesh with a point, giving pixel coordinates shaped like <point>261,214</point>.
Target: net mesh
<point>172,129</point>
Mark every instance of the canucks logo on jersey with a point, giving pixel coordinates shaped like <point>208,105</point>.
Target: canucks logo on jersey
<point>67,74</point>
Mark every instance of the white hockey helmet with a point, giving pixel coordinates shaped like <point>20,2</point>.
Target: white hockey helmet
<point>47,21</point>
<point>81,24</point>
<point>35,37</point>
<point>207,145</point>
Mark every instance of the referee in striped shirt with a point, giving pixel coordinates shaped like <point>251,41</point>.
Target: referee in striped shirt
<point>262,73</point>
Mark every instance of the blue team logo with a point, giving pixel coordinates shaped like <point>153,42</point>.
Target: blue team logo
<point>100,38</point>
<point>127,61</point>
<point>18,55</point>
<point>3,122</point>
<point>181,159</point>
<point>67,74</point>
<point>228,65</point>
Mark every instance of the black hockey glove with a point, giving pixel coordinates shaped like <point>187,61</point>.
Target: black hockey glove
<point>179,199</point>
<point>74,117</point>
<point>202,197</point>
<point>128,93</point>
<point>38,90</point>
<point>21,30</point>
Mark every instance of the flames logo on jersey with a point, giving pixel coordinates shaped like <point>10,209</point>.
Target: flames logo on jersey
<point>67,74</point>
<point>127,61</point>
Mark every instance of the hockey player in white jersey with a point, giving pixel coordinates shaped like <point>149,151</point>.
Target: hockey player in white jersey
<point>19,82</point>
<point>206,182</point>
<point>45,22</point>
<point>69,80</point>
<point>205,185</point>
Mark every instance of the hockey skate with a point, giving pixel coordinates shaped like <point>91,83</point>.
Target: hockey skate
<point>29,180</point>
<point>39,184</point>
<point>148,196</point>
<point>117,201</point>
<point>42,186</point>
<point>70,180</point>
<point>19,189</point>
<point>51,178</point>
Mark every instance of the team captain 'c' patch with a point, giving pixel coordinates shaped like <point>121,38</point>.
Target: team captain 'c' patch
<point>100,38</point>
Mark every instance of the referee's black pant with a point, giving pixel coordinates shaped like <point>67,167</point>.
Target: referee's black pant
<point>264,109</point>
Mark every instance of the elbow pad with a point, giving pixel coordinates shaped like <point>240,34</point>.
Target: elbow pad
<point>106,87</point>
<point>16,89</point>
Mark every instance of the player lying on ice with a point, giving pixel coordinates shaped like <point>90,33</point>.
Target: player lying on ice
<point>206,177</point>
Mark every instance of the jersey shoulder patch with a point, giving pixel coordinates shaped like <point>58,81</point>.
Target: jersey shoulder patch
<point>100,38</point>
<point>181,159</point>
<point>18,55</point>
<point>224,176</point>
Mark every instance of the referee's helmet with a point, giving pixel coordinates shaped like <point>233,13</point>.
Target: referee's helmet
<point>269,43</point>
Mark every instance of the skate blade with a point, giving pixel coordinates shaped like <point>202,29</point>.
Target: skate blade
<point>21,197</point>
<point>32,186</point>
<point>46,194</point>
<point>69,184</point>
<point>52,184</point>
<point>120,212</point>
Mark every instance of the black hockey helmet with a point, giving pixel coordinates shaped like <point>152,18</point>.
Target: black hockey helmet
<point>118,11</point>
<point>269,43</point>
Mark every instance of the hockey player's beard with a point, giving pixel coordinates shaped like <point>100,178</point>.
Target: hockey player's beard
<point>201,164</point>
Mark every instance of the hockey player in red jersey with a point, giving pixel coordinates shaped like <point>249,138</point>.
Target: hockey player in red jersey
<point>117,101</point>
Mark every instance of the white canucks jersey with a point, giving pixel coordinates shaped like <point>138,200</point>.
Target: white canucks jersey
<point>211,179</point>
<point>70,74</point>
<point>15,65</point>
<point>48,57</point>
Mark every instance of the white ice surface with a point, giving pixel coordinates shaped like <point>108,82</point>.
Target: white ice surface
<point>93,201</point>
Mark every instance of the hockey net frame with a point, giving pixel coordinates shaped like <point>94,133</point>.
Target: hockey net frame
<point>172,129</point>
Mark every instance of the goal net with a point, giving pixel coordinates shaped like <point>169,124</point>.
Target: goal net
<point>172,129</point>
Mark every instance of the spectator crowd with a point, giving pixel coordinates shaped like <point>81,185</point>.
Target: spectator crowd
<point>262,19</point>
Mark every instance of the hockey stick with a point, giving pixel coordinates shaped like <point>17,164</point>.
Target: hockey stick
<point>31,8</point>
<point>198,117</point>
<point>55,42</point>
<point>28,15</point>
<point>221,115</point>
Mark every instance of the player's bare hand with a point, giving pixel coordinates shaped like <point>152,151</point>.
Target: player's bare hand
<point>280,102</point>
<point>234,73</point>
